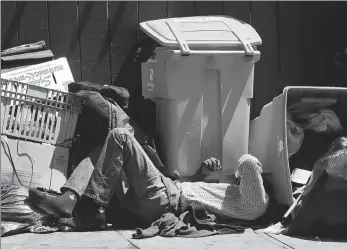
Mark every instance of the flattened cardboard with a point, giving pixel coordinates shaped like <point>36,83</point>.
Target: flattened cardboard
<point>42,165</point>
<point>54,74</point>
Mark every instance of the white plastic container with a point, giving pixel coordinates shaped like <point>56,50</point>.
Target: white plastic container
<point>268,136</point>
<point>201,80</point>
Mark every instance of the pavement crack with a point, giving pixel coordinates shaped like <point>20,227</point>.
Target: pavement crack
<point>135,246</point>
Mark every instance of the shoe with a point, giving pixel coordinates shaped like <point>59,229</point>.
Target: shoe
<point>48,201</point>
<point>84,224</point>
<point>49,191</point>
<point>91,214</point>
<point>87,216</point>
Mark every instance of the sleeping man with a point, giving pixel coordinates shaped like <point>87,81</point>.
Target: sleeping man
<point>124,171</point>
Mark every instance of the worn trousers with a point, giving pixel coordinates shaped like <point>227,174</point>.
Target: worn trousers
<point>124,170</point>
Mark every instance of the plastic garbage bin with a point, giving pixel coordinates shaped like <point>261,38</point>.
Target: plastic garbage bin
<point>201,79</point>
<point>268,132</point>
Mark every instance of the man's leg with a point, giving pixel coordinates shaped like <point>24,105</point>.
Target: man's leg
<point>122,160</point>
<point>79,179</point>
<point>251,186</point>
<point>63,205</point>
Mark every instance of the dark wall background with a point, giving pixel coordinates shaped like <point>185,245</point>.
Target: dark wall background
<point>299,38</point>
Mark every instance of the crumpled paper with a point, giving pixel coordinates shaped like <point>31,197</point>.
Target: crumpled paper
<point>277,228</point>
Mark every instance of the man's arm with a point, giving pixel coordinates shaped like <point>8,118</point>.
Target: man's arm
<point>199,176</point>
<point>207,168</point>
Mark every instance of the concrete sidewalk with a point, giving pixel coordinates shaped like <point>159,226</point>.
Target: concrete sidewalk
<point>122,240</point>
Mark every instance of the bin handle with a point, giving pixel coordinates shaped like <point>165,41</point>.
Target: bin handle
<point>212,52</point>
<point>249,51</point>
<point>181,41</point>
<point>245,44</point>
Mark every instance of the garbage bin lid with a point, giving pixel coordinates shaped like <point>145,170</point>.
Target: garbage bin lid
<point>201,31</point>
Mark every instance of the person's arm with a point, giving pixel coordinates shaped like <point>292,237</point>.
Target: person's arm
<point>207,168</point>
<point>199,176</point>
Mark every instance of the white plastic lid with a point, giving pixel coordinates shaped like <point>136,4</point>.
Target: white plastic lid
<point>202,31</point>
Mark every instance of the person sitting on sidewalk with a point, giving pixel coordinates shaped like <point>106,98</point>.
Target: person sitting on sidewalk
<point>124,171</point>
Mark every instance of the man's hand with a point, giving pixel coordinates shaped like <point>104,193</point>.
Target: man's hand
<point>210,166</point>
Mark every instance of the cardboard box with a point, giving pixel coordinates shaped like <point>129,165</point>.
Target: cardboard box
<point>54,74</point>
<point>43,165</point>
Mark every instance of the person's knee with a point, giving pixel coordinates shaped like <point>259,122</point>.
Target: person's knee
<point>119,131</point>
<point>248,163</point>
<point>249,160</point>
<point>119,135</point>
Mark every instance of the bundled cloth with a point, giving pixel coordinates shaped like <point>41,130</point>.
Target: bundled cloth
<point>19,214</point>
<point>324,120</point>
<point>116,93</point>
<point>194,222</point>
